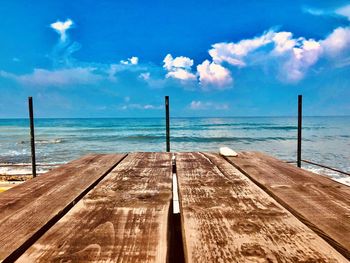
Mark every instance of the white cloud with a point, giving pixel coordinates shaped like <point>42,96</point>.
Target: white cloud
<point>283,41</point>
<point>58,78</point>
<point>145,76</point>
<point>212,74</point>
<point>341,11</point>
<point>200,105</point>
<point>179,67</point>
<point>130,61</point>
<point>152,107</point>
<point>113,69</point>
<point>171,63</point>
<point>337,41</point>
<point>137,106</point>
<point>134,60</point>
<point>298,55</point>
<point>62,27</point>
<point>233,53</point>
<point>301,59</point>
<point>344,11</point>
<point>154,80</point>
<point>295,55</point>
<point>181,74</point>
<point>195,105</point>
<point>314,11</point>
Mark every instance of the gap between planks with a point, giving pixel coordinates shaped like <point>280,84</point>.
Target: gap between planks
<point>176,206</point>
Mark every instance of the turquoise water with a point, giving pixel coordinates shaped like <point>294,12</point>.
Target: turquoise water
<point>325,139</point>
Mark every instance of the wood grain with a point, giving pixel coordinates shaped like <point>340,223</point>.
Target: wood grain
<point>123,219</point>
<point>319,202</point>
<point>28,209</point>
<point>227,218</point>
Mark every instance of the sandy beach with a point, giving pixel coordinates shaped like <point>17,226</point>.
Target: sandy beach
<point>5,185</point>
<point>12,175</point>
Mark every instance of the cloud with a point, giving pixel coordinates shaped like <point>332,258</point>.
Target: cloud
<point>212,74</point>
<point>61,28</point>
<point>337,41</point>
<point>181,74</point>
<point>344,11</point>
<point>136,106</point>
<point>57,78</point>
<point>303,58</point>
<point>297,55</point>
<point>154,80</point>
<point>152,107</point>
<point>300,54</point>
<point>200,105</point>
<point>314,11</point>
<point>179,67</point>
<point>171,63</point>
<point>130,61</point>
<point>145,75</point>
<point>233,53</point>
<point>283,42</point>
<point>293,56</point>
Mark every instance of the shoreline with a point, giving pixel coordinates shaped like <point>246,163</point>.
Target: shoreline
<point>12,174</point>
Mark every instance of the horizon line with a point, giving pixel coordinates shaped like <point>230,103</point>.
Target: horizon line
<point>175,117</point>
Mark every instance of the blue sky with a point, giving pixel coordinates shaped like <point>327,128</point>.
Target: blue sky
<point>213,58</point>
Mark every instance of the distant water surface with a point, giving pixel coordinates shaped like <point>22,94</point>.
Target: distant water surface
<point>326,140</point>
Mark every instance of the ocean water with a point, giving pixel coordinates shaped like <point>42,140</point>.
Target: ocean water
<point>326,140</point>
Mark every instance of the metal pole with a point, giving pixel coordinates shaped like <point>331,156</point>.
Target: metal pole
<point>167,123</point>
<point>325,166</point>
<point>32,140</point>
<point>300,112</point>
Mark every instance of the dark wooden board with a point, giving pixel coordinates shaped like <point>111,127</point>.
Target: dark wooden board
<point>27,210</point>
<point>228,218</point>
<point>123,219</point>
<point>319,202</point>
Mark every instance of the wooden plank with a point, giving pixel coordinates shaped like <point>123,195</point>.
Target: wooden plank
<point>227,218</point>
<point>27,210</point>
<point>319,202</point>
<point>123,219</point>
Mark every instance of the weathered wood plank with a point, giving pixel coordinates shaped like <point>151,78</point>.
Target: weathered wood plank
<point>123,219</point>
<point>27,210</point>
<point>227,218</point>
<point>319,202</point>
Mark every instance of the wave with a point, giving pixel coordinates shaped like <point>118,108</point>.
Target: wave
<point>204,139</point>
<point>229,139</point>
<point>176,138</point>
<point>344,179</point>
<point>238,126</point>
<point>53,141</point>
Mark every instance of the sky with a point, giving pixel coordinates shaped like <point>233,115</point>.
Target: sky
<point>219,58</point>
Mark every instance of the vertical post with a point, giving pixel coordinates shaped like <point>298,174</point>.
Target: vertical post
<point>32,140</point>
<point>300,112</point>
<point>167,123</point>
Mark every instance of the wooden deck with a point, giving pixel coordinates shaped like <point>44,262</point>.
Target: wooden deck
<point>118,208</point>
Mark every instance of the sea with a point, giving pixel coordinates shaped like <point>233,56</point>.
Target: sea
<point>326,140</point>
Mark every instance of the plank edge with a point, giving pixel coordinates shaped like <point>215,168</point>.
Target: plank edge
<point>42,230</point>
